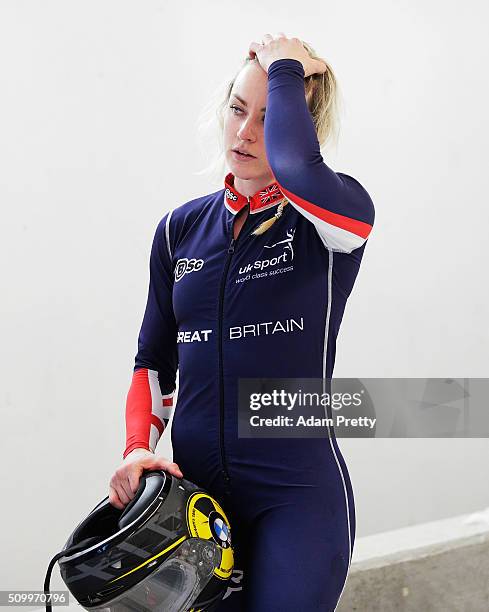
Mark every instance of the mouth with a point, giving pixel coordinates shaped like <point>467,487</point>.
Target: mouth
<point>242,154</point>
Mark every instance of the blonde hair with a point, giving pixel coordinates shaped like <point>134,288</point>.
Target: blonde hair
<point>323,100</point>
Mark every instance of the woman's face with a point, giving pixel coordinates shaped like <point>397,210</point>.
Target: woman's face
<point>244,121</point>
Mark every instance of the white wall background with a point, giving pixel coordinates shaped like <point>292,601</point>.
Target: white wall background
<point>98,108</point>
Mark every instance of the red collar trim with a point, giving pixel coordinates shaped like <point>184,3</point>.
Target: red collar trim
<point>261,200</point>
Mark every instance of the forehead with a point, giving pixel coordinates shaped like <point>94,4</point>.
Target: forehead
<point>251,85</point>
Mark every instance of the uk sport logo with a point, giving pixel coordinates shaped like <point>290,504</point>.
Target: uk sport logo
<point>285,258</point>
<point>287,243</point>
<point>185,266</point>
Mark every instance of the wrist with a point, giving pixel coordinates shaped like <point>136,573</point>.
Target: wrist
<point>138,451</point>
<point>296,62</point>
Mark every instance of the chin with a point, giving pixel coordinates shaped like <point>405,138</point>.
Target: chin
<point>243,174</point>
<point>242,171</point>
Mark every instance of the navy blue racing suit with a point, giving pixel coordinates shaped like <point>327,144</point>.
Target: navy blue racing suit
<point>267,306</point>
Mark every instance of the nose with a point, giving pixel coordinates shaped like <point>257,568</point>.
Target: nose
<point>246,131</point>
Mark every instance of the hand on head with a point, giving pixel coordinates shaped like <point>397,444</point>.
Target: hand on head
<point>277,47</point>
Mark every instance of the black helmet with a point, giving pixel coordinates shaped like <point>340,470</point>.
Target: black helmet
<point>168,549</point>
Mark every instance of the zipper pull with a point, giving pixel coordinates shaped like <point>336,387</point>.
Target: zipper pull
<point>231,246</point>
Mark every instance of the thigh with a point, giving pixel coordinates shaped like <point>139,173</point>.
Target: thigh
<point>298,560</point>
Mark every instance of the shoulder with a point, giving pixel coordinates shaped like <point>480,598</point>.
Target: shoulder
<point>176,222</point>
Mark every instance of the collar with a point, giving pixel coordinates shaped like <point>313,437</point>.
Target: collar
<point>264,198</point>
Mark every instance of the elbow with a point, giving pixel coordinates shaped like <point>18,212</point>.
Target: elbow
<point>287,169</point>
<point>359,199</point>
<point>368,210</point>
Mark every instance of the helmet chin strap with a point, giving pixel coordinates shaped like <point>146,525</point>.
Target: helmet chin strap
<point>64,553</point>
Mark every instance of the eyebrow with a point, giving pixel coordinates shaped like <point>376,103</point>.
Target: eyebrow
<point>244,103</point>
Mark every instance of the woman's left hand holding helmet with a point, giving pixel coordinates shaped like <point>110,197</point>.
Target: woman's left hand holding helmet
<point>277,47</point>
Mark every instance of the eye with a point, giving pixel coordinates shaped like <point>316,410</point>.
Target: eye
<point>235,108</point>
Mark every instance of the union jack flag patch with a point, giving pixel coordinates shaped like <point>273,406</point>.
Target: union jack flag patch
<point>270,194</point>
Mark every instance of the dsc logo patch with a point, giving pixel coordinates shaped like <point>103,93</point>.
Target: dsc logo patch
<point>185,266</point>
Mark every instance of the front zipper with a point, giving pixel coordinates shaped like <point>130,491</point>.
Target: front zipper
<point>230,252</point>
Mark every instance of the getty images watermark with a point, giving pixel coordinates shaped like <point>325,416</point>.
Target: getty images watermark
<point>363,408</point>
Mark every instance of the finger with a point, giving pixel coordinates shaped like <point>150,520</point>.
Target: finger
<point>134,478</point>
<point>267,38</point>
<point>175,470</point>
<point>254,49</point>
<point>170,467</point>
<point>124,490</point>
<point>155,463</point>
<point>281,35</point>
<point>114,499</point>
<point>320,67</point>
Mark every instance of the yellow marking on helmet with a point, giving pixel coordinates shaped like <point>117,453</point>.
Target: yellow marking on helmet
<point>197,521</point>
<point>151,559</point>
<point>201,522</point>
<point>225,568</point>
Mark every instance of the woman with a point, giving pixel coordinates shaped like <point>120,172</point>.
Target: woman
<point>251,281</point>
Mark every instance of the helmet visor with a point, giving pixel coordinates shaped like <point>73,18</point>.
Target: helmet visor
<point>175,584</point>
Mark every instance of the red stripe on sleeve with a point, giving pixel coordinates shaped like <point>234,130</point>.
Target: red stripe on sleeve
<point>360,228</point>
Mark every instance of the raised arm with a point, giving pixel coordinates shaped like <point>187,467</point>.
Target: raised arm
<point>337,204</point>
<point>150,398</point>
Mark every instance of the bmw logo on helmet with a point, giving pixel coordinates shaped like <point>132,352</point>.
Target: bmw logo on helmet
<point>220,530</point>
